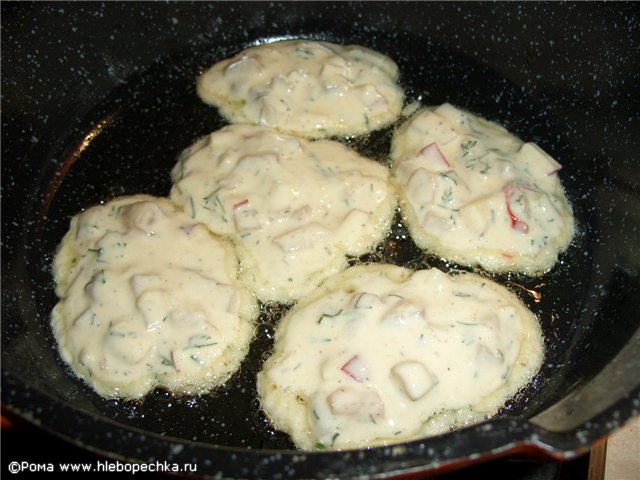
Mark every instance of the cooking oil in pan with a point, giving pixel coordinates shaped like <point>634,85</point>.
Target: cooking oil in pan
<point>129,143</point>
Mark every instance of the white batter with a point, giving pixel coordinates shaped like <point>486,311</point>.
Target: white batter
<point>294,207</point>
<point>381,354</point>
<point>475,194</point>
<point>314,89</point>
<point>149,297</point>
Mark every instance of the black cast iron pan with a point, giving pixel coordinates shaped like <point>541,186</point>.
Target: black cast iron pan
<point>98,100</point>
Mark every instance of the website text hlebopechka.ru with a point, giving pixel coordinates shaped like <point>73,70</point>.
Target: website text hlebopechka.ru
<point>103,466</point>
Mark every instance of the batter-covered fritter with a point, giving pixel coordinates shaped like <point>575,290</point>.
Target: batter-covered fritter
<point>294,207</point>
<point>475,194</point>
<point>149,297</point>
<point>380,354</point>
<point>314,89</point>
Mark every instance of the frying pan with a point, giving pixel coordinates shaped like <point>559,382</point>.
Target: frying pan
<point>99,99</point>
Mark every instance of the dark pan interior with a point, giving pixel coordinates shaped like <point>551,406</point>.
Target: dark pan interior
<point>98,100</point>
